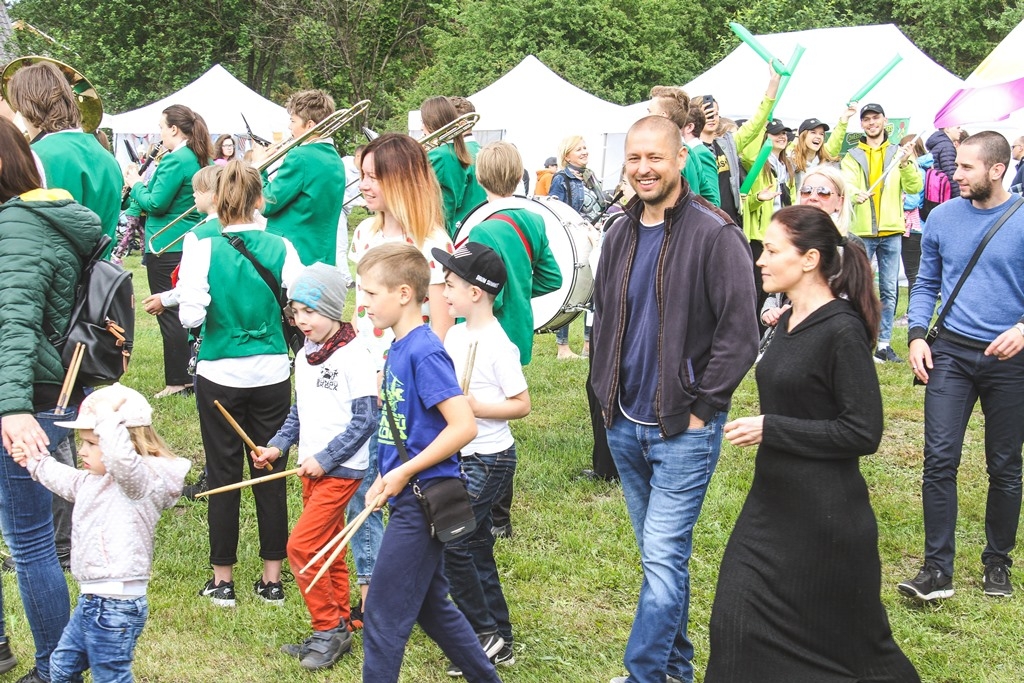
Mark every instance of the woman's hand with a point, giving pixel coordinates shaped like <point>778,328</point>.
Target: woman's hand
<point>153,305</point>
<point>848,113</point>
<point>768,194</point>
<point>25,429</point>
<point>772,315</point>
<point>131,175</point>
<point>745,431</point>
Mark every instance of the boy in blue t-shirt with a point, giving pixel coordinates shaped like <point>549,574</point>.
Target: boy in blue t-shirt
<point>435,420</point>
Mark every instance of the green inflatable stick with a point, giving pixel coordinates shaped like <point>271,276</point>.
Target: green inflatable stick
<point>874,81</point>
<point>798,52</point>
<point>755,45</point>
<point>755,170</point>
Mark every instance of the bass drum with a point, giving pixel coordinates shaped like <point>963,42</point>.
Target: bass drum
<point>569,237</point>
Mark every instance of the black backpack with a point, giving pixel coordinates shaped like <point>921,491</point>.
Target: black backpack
<point>103,319</point>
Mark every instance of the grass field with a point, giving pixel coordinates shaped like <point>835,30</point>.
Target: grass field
<point>571,572</point>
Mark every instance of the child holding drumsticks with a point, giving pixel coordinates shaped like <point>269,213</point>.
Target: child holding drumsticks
<point>129,476</point>
<point>332,420</point>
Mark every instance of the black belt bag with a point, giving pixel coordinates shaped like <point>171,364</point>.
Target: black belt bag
<point>445,501</point>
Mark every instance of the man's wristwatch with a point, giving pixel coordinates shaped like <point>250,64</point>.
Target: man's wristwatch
<point>1019,327</point>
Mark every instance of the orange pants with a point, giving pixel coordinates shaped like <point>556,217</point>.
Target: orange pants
<point>322,518</point>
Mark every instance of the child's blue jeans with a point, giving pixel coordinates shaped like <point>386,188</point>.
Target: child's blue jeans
<point>101,635</point>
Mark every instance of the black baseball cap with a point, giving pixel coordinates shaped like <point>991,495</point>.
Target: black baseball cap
<point>811,124</point>
<point>475,263</point>
<point>776,126</point>
<point>876,108</point>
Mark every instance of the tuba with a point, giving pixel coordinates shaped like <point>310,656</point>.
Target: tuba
<point>86,99</point>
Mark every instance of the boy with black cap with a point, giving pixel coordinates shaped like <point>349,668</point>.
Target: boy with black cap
<point>335,392</point>
<point>497,393</point>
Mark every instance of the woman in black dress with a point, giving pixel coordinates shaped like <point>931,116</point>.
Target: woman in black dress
<point>798,591</point>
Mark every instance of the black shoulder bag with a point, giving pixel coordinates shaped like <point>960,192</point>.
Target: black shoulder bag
<point>445,503</point>
<point>933,333</point>
<point>291,334</point>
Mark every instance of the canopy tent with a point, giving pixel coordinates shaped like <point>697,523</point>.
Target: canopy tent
<point>534,108</point>
<point>218,97</point>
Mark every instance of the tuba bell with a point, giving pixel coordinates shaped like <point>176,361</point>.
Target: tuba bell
<point>86,99</point>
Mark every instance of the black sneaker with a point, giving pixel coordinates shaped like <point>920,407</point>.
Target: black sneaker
<point>506,656</point>
<point>7,659</point>
<point>272,592</point>
<point>221,594</point>
<point>31,677</point>
<point>355,616</point>
<point>997,580</point>
<point>297,650</point>
<point>504,531</point>
<point>887,355</point>
<point>8,566</point>
<point>190,491</point>
<point>929,584</point>
<point>492,645</point>
<point>325,648</point>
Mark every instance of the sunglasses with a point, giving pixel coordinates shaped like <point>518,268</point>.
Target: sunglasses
<point>807,190</point>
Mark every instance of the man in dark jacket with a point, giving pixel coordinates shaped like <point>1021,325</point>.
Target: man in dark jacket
<point>1017,152</point>
<point>941,145</point>
<point>674,334</point>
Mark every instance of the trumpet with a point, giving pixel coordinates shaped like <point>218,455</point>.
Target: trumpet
<point>325,128</point>
<point>450,131</point>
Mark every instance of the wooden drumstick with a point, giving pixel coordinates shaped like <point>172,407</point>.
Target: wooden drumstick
<point>330,544</point>
<point>248,482</point>
<point>69,379</point>
<point>241,432</point>
<point>468,372</point>
<point>356,523</point>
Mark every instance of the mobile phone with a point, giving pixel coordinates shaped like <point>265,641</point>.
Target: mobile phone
<point>708,101</point>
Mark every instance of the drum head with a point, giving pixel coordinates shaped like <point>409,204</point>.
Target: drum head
<point>568,237</point>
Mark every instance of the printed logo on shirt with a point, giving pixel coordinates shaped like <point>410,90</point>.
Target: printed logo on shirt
<point>327,379</point>
<point>394,396</point>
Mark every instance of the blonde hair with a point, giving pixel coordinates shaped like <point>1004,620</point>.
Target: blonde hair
<point>205,179</point>
<point>310,105</point>
<point>566,146</point>
<point>147,442</point>
<point>239,191</point>
<point>835,176</point>
<point>801,150</point>
<point>394,264</point>
<point>411,192</point>
<point>674,101</point>
<point>499,168</point>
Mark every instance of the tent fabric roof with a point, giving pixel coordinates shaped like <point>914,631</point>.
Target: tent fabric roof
<point>219,98</point>
<point>837,62</point>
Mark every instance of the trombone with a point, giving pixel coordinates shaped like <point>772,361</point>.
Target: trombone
<point>450,131</point>
<point>326,128</point>
<point>447,133</point>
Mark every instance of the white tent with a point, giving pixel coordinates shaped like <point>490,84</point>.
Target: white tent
<point>534,108</point>
<point>836,63</point>
<point>219,98</point>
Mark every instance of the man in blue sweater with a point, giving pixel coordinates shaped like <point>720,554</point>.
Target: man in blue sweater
<point>977,355</point>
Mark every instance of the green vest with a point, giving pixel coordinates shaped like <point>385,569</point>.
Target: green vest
<point>243,318</point>
<point>77,162</point>
<point>207,228</point>
<point>168,195</point>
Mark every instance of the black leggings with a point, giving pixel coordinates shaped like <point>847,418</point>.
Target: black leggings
<point>175,337</point>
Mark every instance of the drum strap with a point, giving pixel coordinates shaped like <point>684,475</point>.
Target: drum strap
<point>526,244</point>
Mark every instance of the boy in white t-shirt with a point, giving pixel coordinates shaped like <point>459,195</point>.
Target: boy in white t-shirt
<point>335,396</point>
<point>474,275</point>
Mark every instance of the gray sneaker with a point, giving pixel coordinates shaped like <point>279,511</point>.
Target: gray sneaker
<point>325,648</point>
<point>997,580</point>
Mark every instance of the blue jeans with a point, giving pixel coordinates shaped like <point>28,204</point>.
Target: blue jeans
<point>101,635</point>
<point>887,251</point>
<point>960,377</point>
<point>469,562</point>
<point>366,542</point>
<point>409,587</point>
<point>664,482</point>
<point>562,333</point>
<point>26,517</point>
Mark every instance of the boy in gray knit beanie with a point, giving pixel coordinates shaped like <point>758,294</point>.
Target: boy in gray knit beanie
<point>322,288</point>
